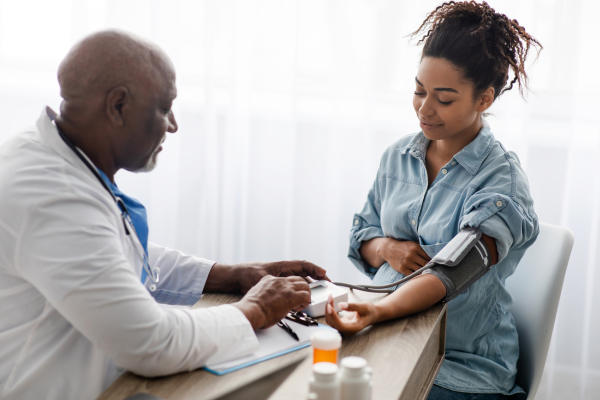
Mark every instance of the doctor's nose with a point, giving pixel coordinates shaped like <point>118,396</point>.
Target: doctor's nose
<point>172,128</point>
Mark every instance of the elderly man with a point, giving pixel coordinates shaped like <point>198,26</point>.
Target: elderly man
<point>79,283</point>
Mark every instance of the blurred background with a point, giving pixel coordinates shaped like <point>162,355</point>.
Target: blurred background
<point>285,108</point>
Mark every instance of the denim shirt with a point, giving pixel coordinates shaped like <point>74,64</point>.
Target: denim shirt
<point>483,186</point>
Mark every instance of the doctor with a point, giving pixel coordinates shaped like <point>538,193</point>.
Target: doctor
<point>74,256</point>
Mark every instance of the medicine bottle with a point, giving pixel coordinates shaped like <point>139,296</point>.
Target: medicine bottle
<point>326,344</point>
<point>324,382</point>
<point>355,380</point>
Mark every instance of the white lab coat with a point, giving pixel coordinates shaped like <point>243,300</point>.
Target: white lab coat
<point>71,301</point>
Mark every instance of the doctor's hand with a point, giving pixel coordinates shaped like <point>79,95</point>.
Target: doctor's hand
<point>251,273</point>
<point>241,277</point>
<point>404,256</point>
<point>267,302</point>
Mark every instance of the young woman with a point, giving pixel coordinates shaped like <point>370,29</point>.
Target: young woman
<point>453,174</point>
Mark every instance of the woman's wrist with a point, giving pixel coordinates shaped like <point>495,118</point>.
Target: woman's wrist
<point>377,313</point>
<point>381,250</point>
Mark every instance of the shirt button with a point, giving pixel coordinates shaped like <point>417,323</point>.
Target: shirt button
<point>355,222</point>
<point>453,163</point>
<point>444,171</point>
<point>414,222</point>
<point>499,203</point>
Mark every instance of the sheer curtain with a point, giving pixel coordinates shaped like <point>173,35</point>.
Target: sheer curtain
<point>285,108</point>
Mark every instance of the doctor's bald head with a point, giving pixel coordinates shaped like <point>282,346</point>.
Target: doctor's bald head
<point>108,59</point>
<point>117,90</point>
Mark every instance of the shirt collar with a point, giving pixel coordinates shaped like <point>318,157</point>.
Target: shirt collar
<point>417,146</point>
<point>470,157</point>
<point>50,135</point>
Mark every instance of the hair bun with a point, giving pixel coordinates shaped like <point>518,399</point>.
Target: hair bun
<point>485,44</point>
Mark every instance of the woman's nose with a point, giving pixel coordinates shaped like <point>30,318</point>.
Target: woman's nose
<point>426,108</point>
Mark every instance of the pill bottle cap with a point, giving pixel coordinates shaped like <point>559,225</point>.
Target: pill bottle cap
<point>353,365</point>
<point>325,371</point>
<point>326,340</point>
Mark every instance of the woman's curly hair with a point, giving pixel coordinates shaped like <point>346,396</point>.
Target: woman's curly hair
<point>481,42</point>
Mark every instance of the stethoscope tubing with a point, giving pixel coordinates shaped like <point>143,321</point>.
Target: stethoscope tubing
<point>153,273</point>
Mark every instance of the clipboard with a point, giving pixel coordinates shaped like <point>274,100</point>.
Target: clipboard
<point>273,342</point>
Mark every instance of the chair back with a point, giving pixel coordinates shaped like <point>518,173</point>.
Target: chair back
<point>535,287</point>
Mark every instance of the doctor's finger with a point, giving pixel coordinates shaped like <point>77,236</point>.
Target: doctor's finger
<point>297,280</point>
<point>301,287</point>
<point>305,268</point>
<point>300,299</point>
<point>294,278</point>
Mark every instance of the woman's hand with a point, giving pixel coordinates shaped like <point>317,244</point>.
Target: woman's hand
<point>404,256</point>
<point>359,317</point>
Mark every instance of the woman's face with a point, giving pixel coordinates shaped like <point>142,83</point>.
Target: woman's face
<point>444,101</point>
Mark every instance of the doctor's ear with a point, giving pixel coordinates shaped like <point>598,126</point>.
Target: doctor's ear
<point>117,102</point>
<point>485,99</point>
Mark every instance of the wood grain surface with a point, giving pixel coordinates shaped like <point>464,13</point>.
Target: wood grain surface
<point>405,355</point>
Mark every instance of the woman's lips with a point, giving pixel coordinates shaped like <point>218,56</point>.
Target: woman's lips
<point>428,126</point>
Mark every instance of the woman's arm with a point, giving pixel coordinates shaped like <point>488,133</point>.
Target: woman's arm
<point>416,295</point>
<point>369,251</point>
<point>490,242</point>
<point>403,255</point>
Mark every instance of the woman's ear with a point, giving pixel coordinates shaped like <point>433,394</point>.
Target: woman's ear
<point>117,102</point>
<point>485,99</point>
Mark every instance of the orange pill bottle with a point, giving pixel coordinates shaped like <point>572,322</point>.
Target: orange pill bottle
<point>326,345</point>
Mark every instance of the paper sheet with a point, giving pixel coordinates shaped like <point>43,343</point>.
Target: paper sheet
<point>273,342</point>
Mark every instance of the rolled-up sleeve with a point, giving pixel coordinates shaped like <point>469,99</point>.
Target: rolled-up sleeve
<point>366,225</point>
<point>504,211</point>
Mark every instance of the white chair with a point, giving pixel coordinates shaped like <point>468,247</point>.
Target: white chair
<point>535,288</point>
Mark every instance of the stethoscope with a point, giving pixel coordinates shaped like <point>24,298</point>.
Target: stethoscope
<point>153,273</point>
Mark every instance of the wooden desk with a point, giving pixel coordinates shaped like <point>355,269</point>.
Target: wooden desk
<point>405,355</point>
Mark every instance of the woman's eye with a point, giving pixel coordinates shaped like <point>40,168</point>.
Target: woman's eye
<point>445,102</point>
<point>420,94</point>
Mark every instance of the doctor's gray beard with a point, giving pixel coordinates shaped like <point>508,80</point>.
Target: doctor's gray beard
<point>151,164</point>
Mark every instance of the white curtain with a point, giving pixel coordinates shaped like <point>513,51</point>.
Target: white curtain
<point>285,108</point>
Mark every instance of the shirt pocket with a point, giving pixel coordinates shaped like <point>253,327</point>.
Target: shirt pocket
<point>433,249</point>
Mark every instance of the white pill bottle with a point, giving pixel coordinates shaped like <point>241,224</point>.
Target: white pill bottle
<point>355,379</point>
<point>324,382</point>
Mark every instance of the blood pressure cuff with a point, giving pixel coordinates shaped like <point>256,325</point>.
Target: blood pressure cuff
<point>461,262</point>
